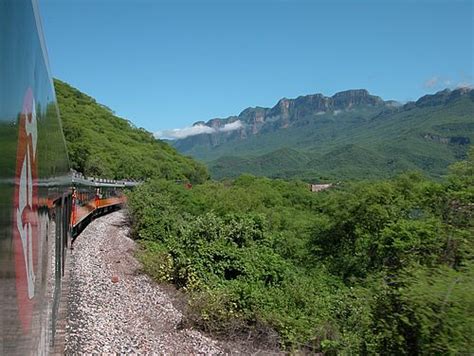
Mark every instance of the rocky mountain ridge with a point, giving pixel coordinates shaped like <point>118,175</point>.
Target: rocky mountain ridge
<point>287,110</point>
<point>304,110</point>
<point>351,134</point>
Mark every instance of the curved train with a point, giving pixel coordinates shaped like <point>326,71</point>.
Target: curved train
<point>92,197</point>
<point>43,205</point>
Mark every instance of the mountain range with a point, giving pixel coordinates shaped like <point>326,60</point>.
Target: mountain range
<point>350,135</point>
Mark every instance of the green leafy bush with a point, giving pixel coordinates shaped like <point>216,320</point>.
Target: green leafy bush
<point>371,268</point>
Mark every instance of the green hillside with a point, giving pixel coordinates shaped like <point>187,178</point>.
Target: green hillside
<point>357,143</point>
<point>282,163</point>
<point>343,163</point>
<point>103,145</point>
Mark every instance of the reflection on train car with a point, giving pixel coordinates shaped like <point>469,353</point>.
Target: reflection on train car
<point>42,205</point>
<point>35,186</point>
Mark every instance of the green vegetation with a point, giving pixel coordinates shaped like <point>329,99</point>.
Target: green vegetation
<point>359,143</point>
<point>101,144</point>
<point>382,267</point>
<point>363,268</point>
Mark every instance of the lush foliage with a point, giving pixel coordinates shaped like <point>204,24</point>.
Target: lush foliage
<point>360,143</point>
<point>384,267</point>
<point>103,145</point>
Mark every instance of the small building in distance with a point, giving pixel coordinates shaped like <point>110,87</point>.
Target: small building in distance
<point>319,187</point>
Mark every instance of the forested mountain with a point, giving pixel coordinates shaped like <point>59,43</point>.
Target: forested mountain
<point>103,145</point>
<point>350,135</point>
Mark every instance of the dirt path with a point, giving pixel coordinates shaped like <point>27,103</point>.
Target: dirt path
<point>133,315</point>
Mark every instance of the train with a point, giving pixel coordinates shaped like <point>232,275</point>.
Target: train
<point>93,197</point>
<point>43,204</point>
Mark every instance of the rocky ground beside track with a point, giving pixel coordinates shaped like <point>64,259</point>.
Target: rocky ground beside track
<point>114,308</point>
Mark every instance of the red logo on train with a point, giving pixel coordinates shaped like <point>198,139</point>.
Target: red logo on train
<point>25,211</point>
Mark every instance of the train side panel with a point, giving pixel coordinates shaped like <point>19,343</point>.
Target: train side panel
<point>35,194</point>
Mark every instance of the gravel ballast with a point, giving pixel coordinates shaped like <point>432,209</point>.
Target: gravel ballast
<point>114,308</point>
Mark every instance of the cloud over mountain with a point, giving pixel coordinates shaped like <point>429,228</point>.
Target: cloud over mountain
<point>437,82</point>
<point>197,130</point>
<point>231,126</point>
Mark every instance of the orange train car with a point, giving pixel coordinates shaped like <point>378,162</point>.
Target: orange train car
<point>94,197</point>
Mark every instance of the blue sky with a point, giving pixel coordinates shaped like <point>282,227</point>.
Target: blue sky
<point>165,64</point>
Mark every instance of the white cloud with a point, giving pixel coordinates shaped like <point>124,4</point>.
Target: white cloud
<point>437,82</point>
<point>231,126</point>
<point>184,132</point>
<point>176,134</point>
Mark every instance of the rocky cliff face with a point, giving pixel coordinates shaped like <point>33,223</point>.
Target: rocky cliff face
<point>443,97</point>
<point>285,113</point>
<point>288,113</point>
